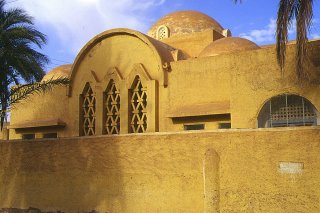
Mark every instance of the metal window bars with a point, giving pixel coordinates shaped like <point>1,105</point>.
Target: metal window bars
<point>291,110</point>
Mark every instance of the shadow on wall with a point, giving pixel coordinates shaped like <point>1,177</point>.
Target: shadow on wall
<point>87,168</point>
<point>32,210</point>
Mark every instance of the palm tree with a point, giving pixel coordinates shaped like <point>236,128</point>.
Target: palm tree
<point>19,93</point>
<point>19,61</point>
<point>300,11</point>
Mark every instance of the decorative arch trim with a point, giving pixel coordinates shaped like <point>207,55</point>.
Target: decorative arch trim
<point>138,69</point>
<point>112,74</point>
<point>160,56</point>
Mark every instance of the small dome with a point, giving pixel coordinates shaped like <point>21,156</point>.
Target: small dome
<point>228,45</point>
<point>184,22</point>
<point>60,71</point>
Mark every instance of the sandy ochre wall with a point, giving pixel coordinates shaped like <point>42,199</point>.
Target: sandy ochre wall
<point>227,88</point>
<point>262,170</point>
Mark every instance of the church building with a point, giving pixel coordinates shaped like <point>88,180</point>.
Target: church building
<point>185,118</point>
<point>187,73</point>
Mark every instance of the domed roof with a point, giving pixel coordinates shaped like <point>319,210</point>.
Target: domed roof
<point>185,22</point>
<point>228,45</point>
<point>60,71</point>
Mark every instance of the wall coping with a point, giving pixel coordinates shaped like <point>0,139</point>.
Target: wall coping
<point>189,132</point>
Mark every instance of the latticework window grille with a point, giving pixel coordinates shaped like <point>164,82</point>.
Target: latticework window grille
<point>138,107</point>
<point>88,111</point>
<point>112,109</point>
<point>162,32</point>
<point>287,110</point>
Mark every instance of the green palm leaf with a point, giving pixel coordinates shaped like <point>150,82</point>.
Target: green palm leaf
<point>19,61</point>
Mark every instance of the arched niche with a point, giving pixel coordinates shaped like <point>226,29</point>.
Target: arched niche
<point>112,85</point>
<point>142,101</point>
<point>87,125</point>
<point>138,103</point>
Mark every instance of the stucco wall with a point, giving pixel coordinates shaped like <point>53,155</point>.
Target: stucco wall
<point>52,105</point>
<point>230,170</point>
<point>257,77</point>
<point>244,80</point>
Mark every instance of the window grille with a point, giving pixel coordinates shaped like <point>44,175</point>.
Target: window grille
<point>162,32</point>
<point>112,109</point>
<point>287,110</point>
<point>138,107</point>
<point>88,111</point>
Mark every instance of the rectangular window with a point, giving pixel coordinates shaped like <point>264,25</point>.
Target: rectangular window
<point>28,136</point>
<point>224,125</point>
<point>193,126</point>
<point>50,135</point>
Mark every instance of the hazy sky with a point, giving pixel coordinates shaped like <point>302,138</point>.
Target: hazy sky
<point>69,24</point>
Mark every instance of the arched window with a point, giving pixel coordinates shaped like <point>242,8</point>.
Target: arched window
<point>287,110</point>
<point>88,112</point>
<point>111,109</point>
<point>162,32</point>
<point>138,107</point>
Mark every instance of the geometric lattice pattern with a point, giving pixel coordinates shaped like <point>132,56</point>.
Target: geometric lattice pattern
<point>112,109</point>
<point>163,32</point>
<point>291,110</point>
<point>88,111</point>
<point>138,107</point>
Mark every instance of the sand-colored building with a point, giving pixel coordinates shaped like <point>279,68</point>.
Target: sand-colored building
<point>185,118</point>
<point>187,73</point>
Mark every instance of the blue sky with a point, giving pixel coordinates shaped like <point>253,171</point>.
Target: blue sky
<point>69,24</point>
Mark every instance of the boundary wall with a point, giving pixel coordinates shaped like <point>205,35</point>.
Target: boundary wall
<point>247,170</point>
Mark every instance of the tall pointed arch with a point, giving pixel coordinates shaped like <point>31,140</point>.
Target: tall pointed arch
<point>138,107</point>
<point>88,111</point>
<point>111,109</point>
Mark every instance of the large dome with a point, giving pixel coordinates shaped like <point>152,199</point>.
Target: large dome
<point>228,45</point>
<point>58,72</point>
<point>185,22</point>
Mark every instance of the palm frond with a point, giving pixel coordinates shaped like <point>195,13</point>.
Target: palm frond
<point>16,16</point>
<point>302,11</point>
<point>284,20</point>
<point>304,18</point>
<point>22,92</point>
<point>18,59</point>
<point>26,34</point>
